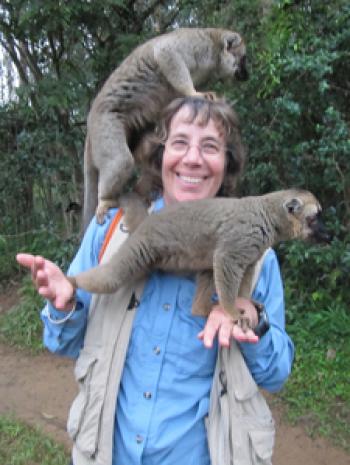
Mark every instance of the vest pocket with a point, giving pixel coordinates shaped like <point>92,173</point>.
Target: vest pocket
<point>262,442</point>
<point>85,407</point>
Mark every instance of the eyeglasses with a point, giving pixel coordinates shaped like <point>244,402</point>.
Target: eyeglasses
<point>207,148</point>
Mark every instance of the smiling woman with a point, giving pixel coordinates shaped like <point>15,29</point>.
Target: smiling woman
<point>193,159</point>
<point>197,148</point>
<point>144,398</point>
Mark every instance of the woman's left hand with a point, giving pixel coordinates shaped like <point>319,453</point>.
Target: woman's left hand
<point>221,325</point>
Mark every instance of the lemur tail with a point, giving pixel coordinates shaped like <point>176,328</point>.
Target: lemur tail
<point>135,210</point>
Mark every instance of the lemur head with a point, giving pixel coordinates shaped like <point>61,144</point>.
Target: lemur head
<point>233,60</point>
<point>304,213</point>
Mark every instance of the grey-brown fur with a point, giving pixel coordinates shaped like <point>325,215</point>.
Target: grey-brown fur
<point>156,72</point>
<point>221,239</point>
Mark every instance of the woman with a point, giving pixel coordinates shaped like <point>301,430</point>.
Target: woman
<point>158,415</point>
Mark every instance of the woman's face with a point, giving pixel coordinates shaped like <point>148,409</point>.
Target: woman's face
<point>194,159</point>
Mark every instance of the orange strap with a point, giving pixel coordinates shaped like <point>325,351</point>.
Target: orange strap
<point>110,232</point>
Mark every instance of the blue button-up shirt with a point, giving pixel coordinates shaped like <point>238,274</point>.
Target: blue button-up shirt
<point>166,381</point>
<point>167,377</point>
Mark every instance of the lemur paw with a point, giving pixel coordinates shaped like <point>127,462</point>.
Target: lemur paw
<point>102,209</point>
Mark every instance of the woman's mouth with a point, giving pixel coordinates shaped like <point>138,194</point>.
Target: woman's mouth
<point>191,179</point>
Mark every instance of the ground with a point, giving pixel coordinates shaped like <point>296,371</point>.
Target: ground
<point>40,388</point>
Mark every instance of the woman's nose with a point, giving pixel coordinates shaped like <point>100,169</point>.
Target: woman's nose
<point>193,155</point>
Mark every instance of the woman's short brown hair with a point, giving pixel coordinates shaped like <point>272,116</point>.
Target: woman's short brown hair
<point>149,154</point>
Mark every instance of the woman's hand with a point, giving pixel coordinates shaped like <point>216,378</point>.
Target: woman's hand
<point>49,280</point>
<point>220,324</point>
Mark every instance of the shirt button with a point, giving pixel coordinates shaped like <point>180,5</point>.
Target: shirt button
<point>139,438</point>
<point>156,350</point>
<point>147,395</point>
<point>166,307</point>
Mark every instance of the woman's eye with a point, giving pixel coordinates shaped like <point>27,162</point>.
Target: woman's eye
<point>179,144</point>
<point>210,148</point>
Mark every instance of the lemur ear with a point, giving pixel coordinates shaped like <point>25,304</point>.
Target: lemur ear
<point>293,206</point>
<point>232,40</point>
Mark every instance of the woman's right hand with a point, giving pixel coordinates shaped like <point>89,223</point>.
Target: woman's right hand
<point>49,280</point>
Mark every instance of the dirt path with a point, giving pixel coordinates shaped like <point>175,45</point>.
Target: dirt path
<point>39,390</point>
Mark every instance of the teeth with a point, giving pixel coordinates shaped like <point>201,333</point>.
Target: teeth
<point>190,179</point>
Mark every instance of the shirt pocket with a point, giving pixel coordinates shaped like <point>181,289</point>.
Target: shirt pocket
<point>190,356</point>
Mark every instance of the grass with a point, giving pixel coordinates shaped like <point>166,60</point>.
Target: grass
<point>21,444</point>
<point>21,325</point>
<point>317,394</point>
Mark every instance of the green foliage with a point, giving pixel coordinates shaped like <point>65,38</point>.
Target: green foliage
<point>21,325</point>
<point>46,241</point>
<point>21,444</point>
<point>293,109</point>
<point>327,270</point>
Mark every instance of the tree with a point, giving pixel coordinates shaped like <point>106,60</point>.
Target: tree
<point>62,52</point>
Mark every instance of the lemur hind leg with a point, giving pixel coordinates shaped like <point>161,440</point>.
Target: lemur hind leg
<point>202,302</point>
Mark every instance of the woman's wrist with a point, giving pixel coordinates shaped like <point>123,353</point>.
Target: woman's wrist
<point>54,317</point>
<point>248,311</point>
<point>69,305</point>
<point>72,302</point>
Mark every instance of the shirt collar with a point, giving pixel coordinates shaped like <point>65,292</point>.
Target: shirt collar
<point>158,204</point>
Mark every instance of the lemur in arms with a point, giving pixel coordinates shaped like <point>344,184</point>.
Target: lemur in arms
<point>220,239</point>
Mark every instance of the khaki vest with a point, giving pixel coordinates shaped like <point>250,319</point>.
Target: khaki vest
<point>239,426</point>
